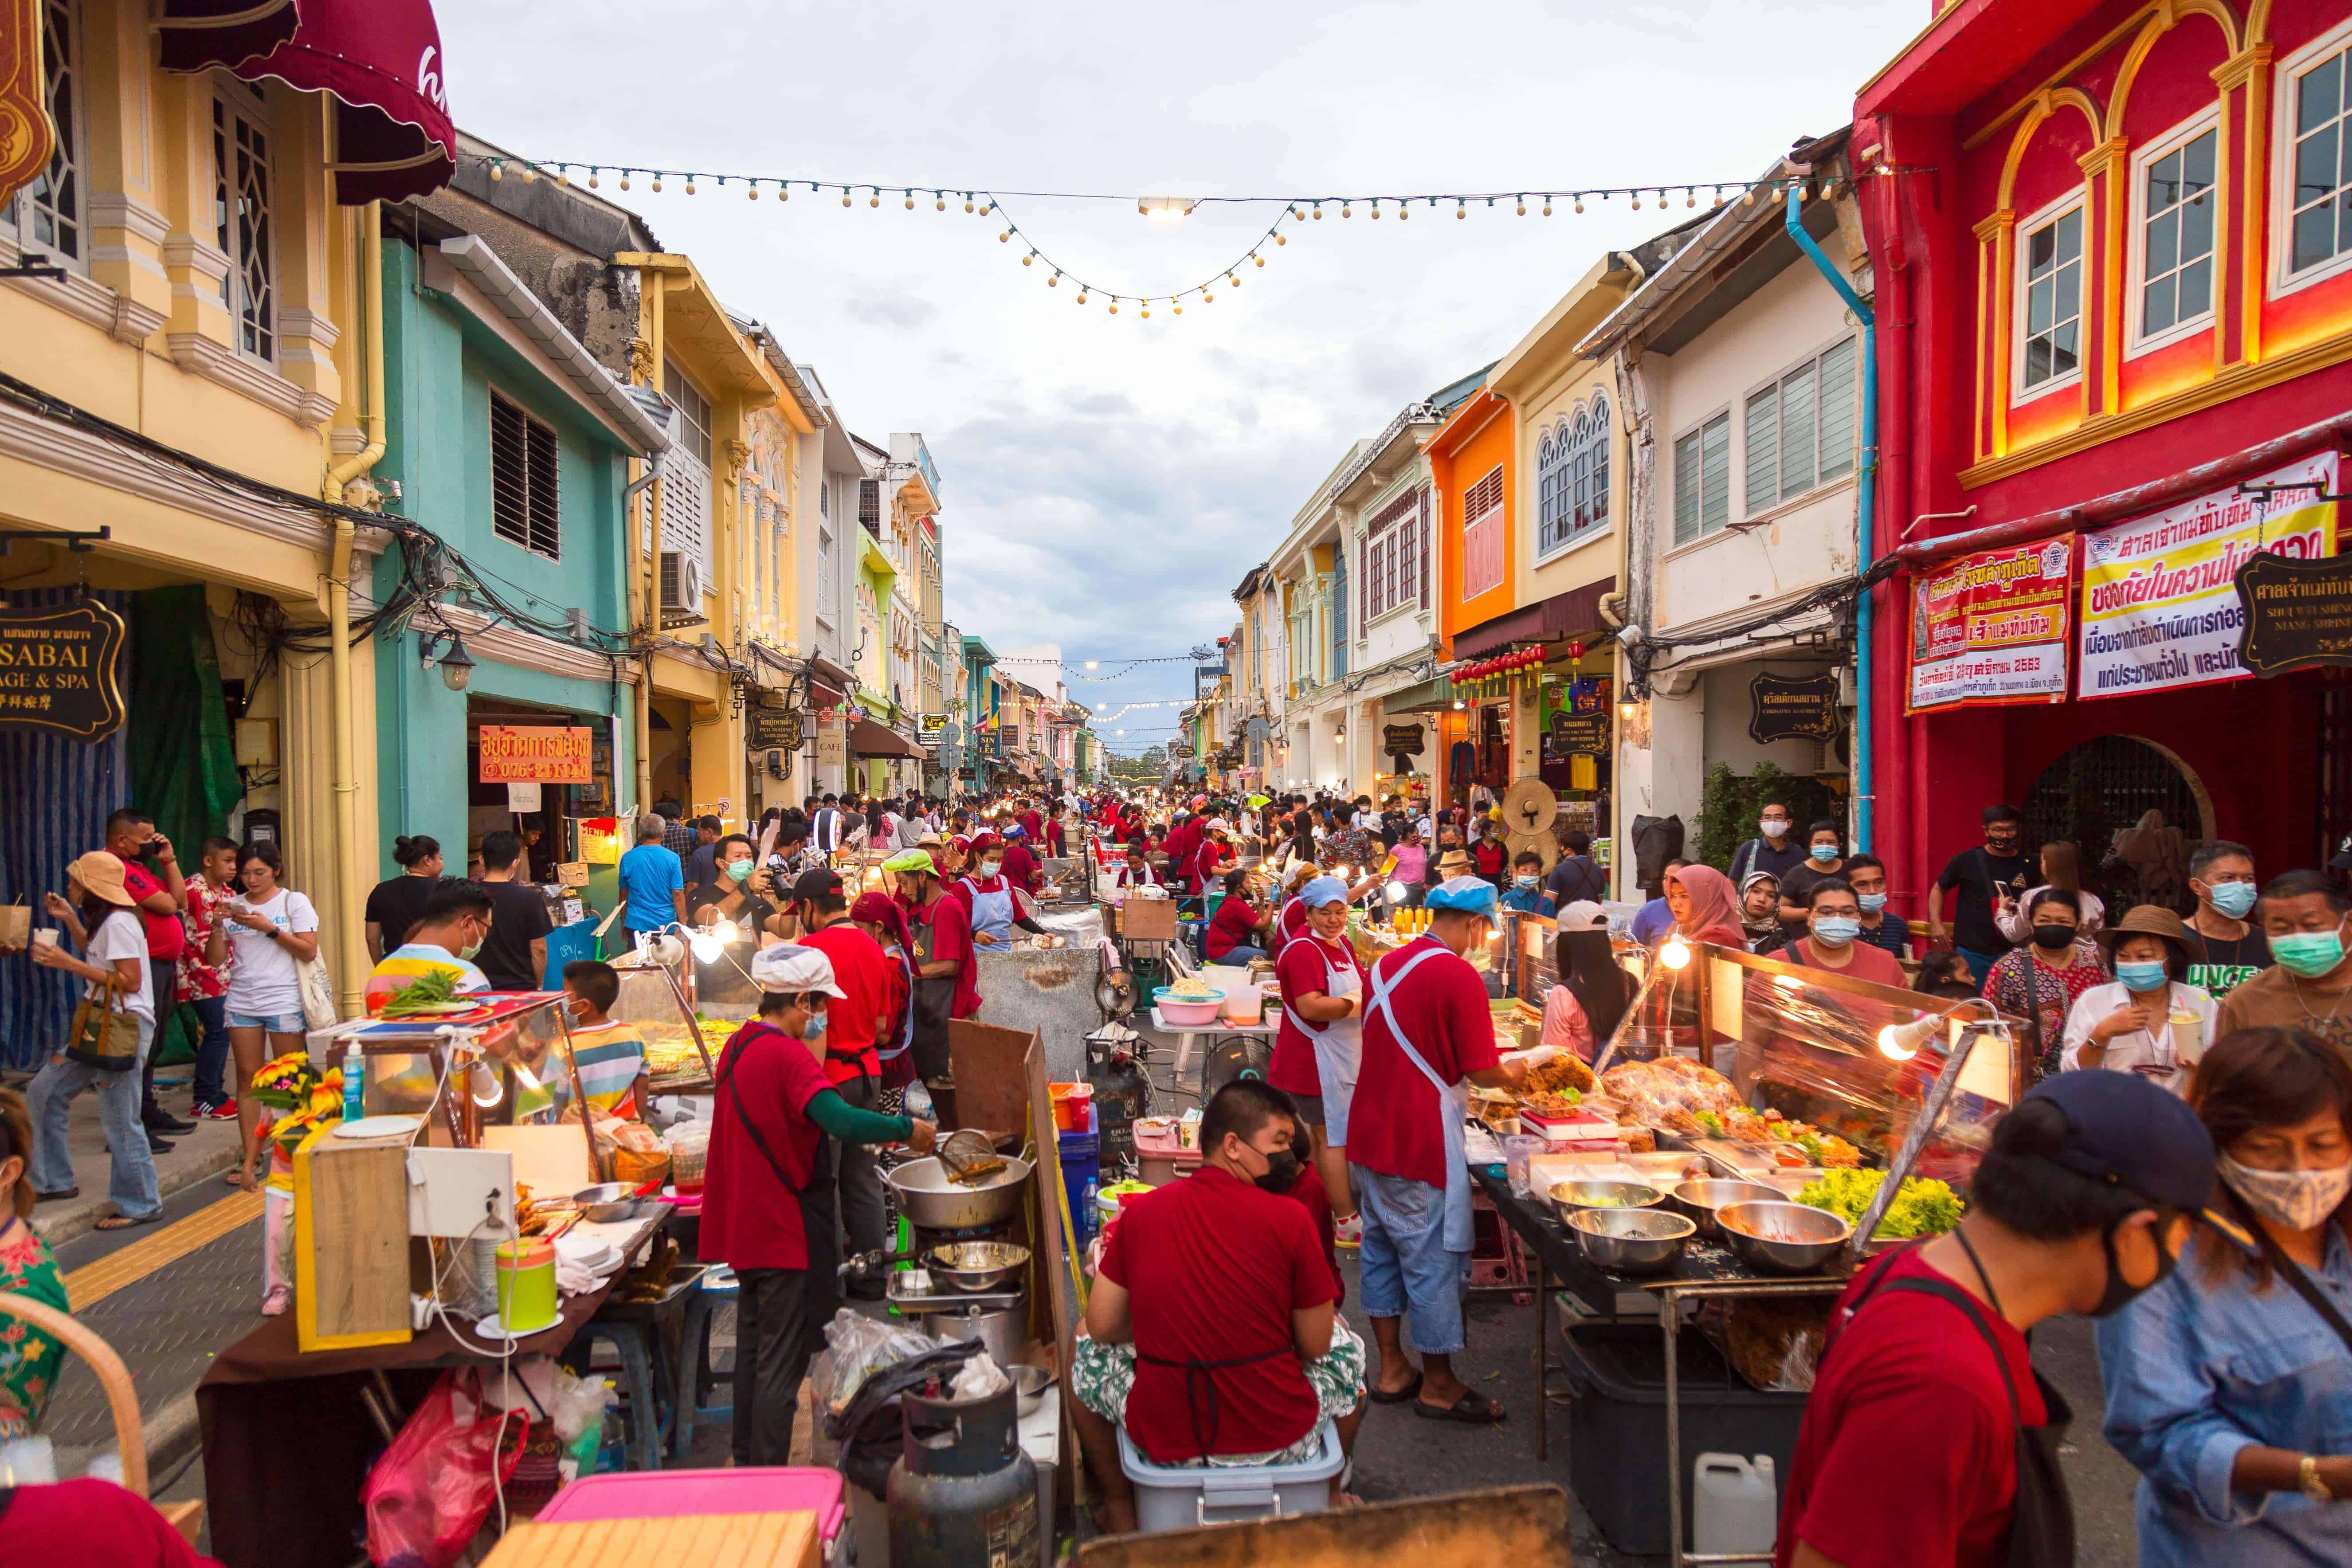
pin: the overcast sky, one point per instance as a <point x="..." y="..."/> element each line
<point x="1106" y="480"/>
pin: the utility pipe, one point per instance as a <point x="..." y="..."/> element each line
<point x="1866" y="509"/>
<point x="350" y="983"/>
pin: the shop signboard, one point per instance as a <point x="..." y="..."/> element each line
<point x="2161" y="605"/>
<point x="530" y="753"/>
<point x="832" y="746"/>
<point x="1794" y="707"/>
<point x="931" y="729"/>
<point x="60" y="670"/>
<point x="2298" y="613"/>
<point x="772" y="730"/>
<point x="1576" y="735"/>
<point x="1404" y="740"/>
<point x="27" y="136"/>
<point x="1990" y="628"/>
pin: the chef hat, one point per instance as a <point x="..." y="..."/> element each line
<point x="912" y="860"/>
<point x="1323" y="890"/>
<point x="1473" y="895"/>
<point x="789" y="967"/>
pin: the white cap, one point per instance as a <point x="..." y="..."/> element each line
<point x="1583" y="915"/>
<point x="1219" y="825"/>
<point x="789" y="967"/>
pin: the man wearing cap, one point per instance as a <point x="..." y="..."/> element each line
<point x="945" y="986"/>
<point x="852" y="1064"/>
<point x="777" y="1126"/>
<point x="1319" y="1053"/>
<point x="1929" y="1437"/>
<point x="1427" y="1036"/>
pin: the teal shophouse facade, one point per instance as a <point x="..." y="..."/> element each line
<point x="511" y="445"/>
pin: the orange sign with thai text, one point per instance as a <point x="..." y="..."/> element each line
<point x="528" y="754"/>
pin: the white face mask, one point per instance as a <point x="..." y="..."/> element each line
<point x="2296" y="1199"/>
<point x="1774" y="830"/>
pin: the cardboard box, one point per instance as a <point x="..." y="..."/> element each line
<point x="1148" y="920"/>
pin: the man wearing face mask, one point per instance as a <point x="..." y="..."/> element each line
<point x="445" y="938"/>
<point x="2231" y="949"/>
<point x="2305" y="915"/>
<point x="1833" y="923"/>
<point x="1867" y="876"/>
<point x="767" y="1202"/>
<point x="1773" y="850"/>
<point x="1427" y="1036"/>
<point x="1977" y="880"/>
<point x="1929" y="1437"/>
<point x="1211" y="1330"/>
<point x="852" y="1063"/>
<point x="738" y="891"/>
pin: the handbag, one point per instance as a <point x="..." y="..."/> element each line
<point x="102" y="1035"/>
<point x="319" y="1008"/>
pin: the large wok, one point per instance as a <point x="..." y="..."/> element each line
<point x="931" y="1201"/>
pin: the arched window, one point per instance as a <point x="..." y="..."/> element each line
<point x="1572" y="477"/>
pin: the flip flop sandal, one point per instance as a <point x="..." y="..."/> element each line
<point x="1410" y="1391"/>
<point x="124" y="1222"/>
<point x="52" y="1197"/>
<point x="1473" y="1409"/>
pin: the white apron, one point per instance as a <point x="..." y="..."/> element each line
<point x="1452" y="1105"/>
<point x="1338" y="1048"/>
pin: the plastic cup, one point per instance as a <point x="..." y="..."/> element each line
<point x="2188" y="1038"/>
<point x="46" y="936"/>
<point x="1518" y="1149"/>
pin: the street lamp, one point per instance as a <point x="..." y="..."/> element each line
<point x="457" y="665"/>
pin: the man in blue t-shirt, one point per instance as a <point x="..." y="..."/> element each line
<point x="653" y="879"/>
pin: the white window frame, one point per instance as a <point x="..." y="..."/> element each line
<point x="2027" y="229"/>
<point x="2282" y="280"/>
<point x="1697" y="430"/>
<point x="236" y="98"/>
<point x="1584" y="414"/>
<point x="2135" y="342"/>
<point x="72" y="146"/>
<point x="1821" y="480"/>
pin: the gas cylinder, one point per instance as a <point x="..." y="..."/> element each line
<point x="963" y="1493"/>
<point x="1121" y="1093"/>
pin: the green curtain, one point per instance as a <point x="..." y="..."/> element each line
<point x="183" y="760"/>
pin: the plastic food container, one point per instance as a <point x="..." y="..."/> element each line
<point x="1072" y="1106"/>
<point x="1184" y="1011"/>
<point x="1245" y="1004"/>
<point x="690" y="1149"/>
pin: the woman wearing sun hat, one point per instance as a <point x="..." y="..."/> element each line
<point x="114" y="949"/>
<point x="2149" y="1019"/>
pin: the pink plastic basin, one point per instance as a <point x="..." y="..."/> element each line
<point x="677" y="1494"/>
<point x="1191" y="1013"/>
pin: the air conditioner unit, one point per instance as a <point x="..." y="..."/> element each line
<point x="681" y="582"/>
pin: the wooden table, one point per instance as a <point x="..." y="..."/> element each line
<point x="696" y="1540"/>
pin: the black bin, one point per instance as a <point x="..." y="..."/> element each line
<point x="1617" y="1426"/>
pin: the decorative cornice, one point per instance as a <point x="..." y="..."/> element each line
<point x="311" y="325"/>
<point x="133" y="322"/>
<point x="85" y="455"/>
<point x="114" y="209"/>
<point x="90" y="302"/>
<point x="186" y="252"/>
<point x="200" y="356"/>
<point x="529" y="650"/>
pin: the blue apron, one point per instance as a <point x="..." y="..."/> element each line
<point x="991" y="912"/>
<point x="1452" y="1103"/>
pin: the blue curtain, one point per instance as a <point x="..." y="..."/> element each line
<point x="54" y="796"/>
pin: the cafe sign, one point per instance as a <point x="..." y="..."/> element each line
<point x="60" y="670"/>
<point x="529" y="755"/>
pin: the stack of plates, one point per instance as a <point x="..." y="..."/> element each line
<point x="590" y="1252"/>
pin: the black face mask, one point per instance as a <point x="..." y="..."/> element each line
<point x="2054" y="937"/>
<point x="1282" y="1168"/>
<point x="2120" y="1292"/>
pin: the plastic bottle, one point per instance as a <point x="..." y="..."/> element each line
<point x="1736" y="1505"/>
<point x="354" y="1083"/>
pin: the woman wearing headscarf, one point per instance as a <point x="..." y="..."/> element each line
<point x="1759" y="910"/>
<point x="879" y="915"/>
<point x="1582" y="1010"/>
<point x="1706" y="908"/>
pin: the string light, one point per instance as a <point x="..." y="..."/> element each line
<point x="657" y="185"/>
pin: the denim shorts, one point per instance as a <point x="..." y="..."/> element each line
<point x="276" y="1023"/>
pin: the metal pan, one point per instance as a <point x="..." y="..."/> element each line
<point x="976" y="1265"/>
<point x="930" y="1200"/>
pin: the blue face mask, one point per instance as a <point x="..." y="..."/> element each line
<point x="2234" y="899"/>
<point x="2142" y="976"/>
<point x="815" y="1028"/>
<point x="1824" y="853"/>
<point x="1835" y="931"/>
<point x="1870" y="903"/>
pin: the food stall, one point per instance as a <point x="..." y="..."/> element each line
<point x="1754" y="1130"/>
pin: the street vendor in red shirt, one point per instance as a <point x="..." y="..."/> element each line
<point x="853" y="1063"/>
<point x="1428" y="1035"/>
<point x="1929" y="1440"/>
<point x="1021" y="867"/>
<point x="994" y="901"/>
<point x="1212" y="1329"/>
<point x="1318" y="1052"/>
<point x="946" y="985"/>
<point x="767" y="1199"/>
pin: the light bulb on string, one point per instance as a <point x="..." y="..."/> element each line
<point x="1114" y="304"/>
<point x="1029" y="259"/>
<point x="1523" y="205"/>
<point x="875" y="199"/>
<point x="1579" y="204"/>
<point x="689" y="185"/>
<point x="1461" y="212"/>
<point x="753" y="193"/>
<point x="1318" y="212"/>
<point x="1404" y="211"/>
<point x="1257" y="257"/>
<point x="1082" y="293"/>
<point x="940" y="201"/>
<point x="592" y="179"/>
<point x="1278" y="240"/>
<point x="1345" y="211"/>
<point x="784" y="190"/>
<point x="910" y="201"/>
<point x="657" y="185"/>
<point x="1690" y="197"/>
<point x="563" y="176"/>
<point x="625" y="179"/>
<point x="529" y="175"/>
<point x="1376" y="209"/>
<point x="1207" y="298"/>
<point x="1546" y="209"/>
<point x="1146" y="312"/>
<point x="496" y="173"/>
<point x="844" y="195"/>
<point x="967" y="201"/>
<point x="1005" y="237"/>
<point x="1178" y="310"/>
<point x="1637" y="201"/>
<point x="1055" y="281"/>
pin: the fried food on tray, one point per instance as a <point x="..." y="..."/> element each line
<point x="1564" y="1071"/>
<point x="1557" y="1105"/>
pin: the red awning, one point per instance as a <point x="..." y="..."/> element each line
<point x="380" y="60"/>
<point x="868" y="739"/>
<point x="1572" y="614"/>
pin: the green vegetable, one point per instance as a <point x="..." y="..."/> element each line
<point x="1575" y="1096"/>
<point x="428" y="993"/>
<point x="1921" y="1208"/>
<point x="1709" y="1121"/>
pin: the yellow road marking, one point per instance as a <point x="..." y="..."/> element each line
<point x="94" y="1282"/>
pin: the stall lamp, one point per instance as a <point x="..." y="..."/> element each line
<point x="487" y="1089"/>
<point x="1901" y="1042"/>
<point x="1675" y="954"/>
<point x="1396" y="892"/>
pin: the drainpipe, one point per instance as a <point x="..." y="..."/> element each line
<point x="350" y="988"/>
<point x="1866" y="509"/>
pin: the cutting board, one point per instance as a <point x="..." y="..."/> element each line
<point x="696" y="1540"/>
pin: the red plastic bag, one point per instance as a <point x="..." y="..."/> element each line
<point x="428" y="1496"/>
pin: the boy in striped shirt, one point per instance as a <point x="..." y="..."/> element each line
<point x="610" y="1057"/>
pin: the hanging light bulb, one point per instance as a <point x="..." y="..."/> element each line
<point x="625" y="179"/>
<point x="1257" y="257"/>
<point x="753" y="193"/>
<point x="529" y="175"/>
<point x="1376" y="209"/>
<point x="1207" y="298"/>
<point x="1523" y="206"/>
<point x="1005" y="237"/>
<point x="1146" y="312"/>
<point x="1690" y="197"/>
<point x="1637" y="201"/>
<point x="1278" y="240"/>
<point x="592" y="179"/>
<point x="987" y="207"/>
<point x="1404" y="212"/>
<point x="1114" y="304"/>
<point x="496" y="173"/>
<point x="910" y="201"/>
<point x="1748" y="198"/>
<point x="1082" y="293"/>
<point x="563" y="176"/>
<point x="1547" y="211"/>
<point x="1345" y="211"/>
<point x="689" y="185"/>
<point x="1579" y="204"/>
<point x="875" y="200"/>
<point x="844" y="195"/>
<point x="1675" y="954"/>
<point x="657" y="185"/>
<point x="1029" y="259"/>
<point x="938" y="201"/>
<point x="1318" y="212"/>
<point x="967" y="201"/>
<point x="1180" y="310"/>
<point x="1460" y="211"/>
<point x="784" y="190"/>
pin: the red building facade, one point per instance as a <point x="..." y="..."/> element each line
<point x="2111" y="252"/>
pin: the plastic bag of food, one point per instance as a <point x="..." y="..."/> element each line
<point x="978" y="1378"/>
<point x="690" y="1147"/>
<point x="860" y="1347"/>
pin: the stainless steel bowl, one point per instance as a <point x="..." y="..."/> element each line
<point x="1631" y="1241"/>
<point x="1783" y="1237"/>
<point x="927" y="1197"/>
<point x="1030" y="1386"/>
<point x="605" y="1200"/>
<point x="1698" y="1200"/>
<point x="976" y="1265"/>
<point x="1570" y="1199"/>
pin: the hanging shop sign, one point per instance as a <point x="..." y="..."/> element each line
<point x="1404" y="740"/>
<point x="2161" y="605"/>
<point x="27" y="136"/>
<point x="831" y="747"/>
<point x="1576" y="735"/>
<point x="1990" y="628"/>
<point x="2298" y="613"/>
<point x="772" y="730"/>
<point x="1794" y="708"/>
<point x="513" y="754"/>
<point x="60" y="670"/>
<point x="931" y="729"/>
